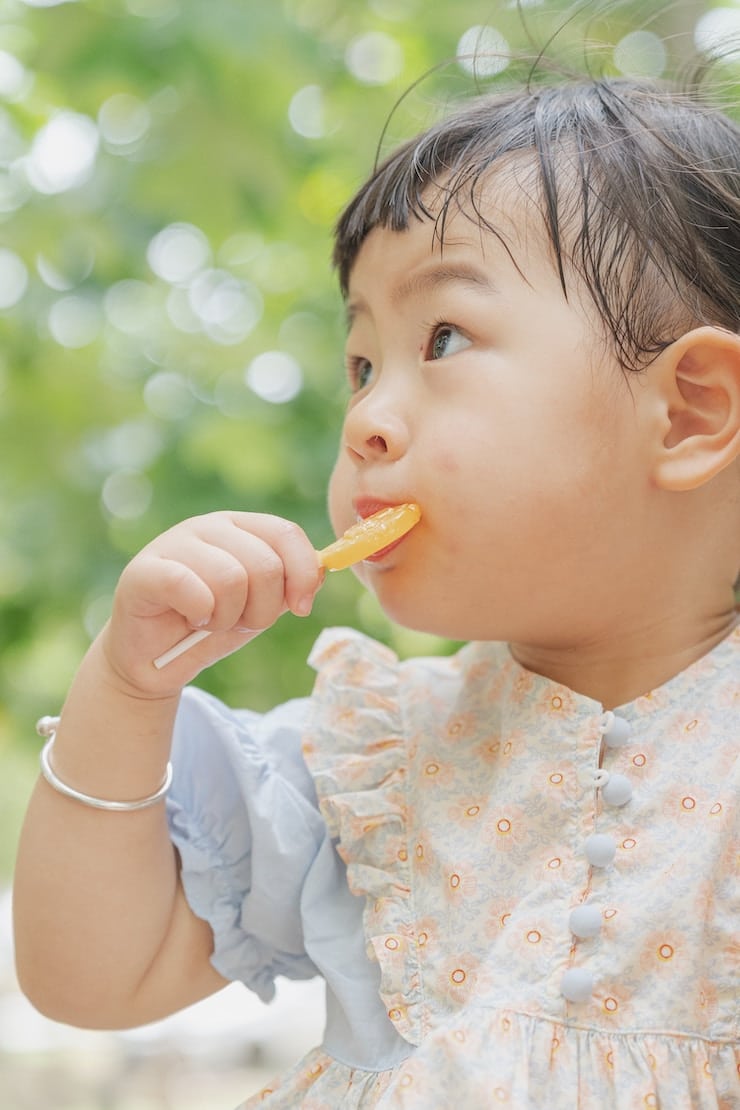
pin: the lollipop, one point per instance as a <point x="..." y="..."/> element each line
<point x="363" y="539"/>
<point x="369" y="536"/>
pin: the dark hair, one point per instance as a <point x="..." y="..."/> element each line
<point x="638" y="186"/>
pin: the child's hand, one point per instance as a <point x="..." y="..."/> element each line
<point x="231" y="573"/>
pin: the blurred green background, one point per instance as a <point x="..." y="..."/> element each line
<point x="170" y="328"/>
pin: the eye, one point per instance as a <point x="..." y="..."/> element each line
<point x="447" y="340"/>
<point x="359" y="372"/>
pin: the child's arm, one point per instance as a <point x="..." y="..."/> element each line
<point x="104" y="936"/>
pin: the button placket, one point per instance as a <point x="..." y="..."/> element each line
<point x="585" y="921"/>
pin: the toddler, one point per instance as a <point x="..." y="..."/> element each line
<point x="515" y="867"/>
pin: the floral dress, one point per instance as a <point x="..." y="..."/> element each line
<point x="516" y="899"/>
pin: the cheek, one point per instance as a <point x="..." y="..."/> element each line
<point x="338" y="498"/>
<point x="448" y="462"/>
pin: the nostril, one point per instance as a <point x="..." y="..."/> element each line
<point x="377" y="443"/>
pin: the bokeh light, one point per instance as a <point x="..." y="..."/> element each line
<point x="178" y="252"/>
<point x="169" y="396"/>
<point x="275" y="376"/>
<point x="15" y="80"/>
<point x="63" y="153"/>
<point x="123" y="120"/>
<point x="717" y="33"/>
<point x="132" y="307"/>
<point x="127" y="494"/>
<point x="374" y="58"/>
<point x="227" y="308"/>
<point x="75" y="321"/>
<point x="307" y="112"/>
<point x="13" y="278"/>
<point x="483" y="51"/>
<point x="641" y="54"/>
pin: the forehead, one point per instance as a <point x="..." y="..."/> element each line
<point x="491" y="238"/>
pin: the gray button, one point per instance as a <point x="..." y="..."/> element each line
<point x="585" y="921"/>
<point x="617" y="791"/>
<point x="617" y="731"/>
<point x="600" y="849"/>
<point x="577" y="984"/>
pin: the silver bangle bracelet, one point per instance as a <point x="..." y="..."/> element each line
<point x="47" y="727"/>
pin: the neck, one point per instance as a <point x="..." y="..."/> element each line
<point x="616" y="672"/>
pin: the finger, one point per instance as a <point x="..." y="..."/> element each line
<point x="223" y="572"/>
<point x="154" y="585"/>
<point x="244" y="572"/>
<point x="302" y="573"/>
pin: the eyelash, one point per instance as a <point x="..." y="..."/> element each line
<point x="432" y="330"/>
<point x="354" y="370"/>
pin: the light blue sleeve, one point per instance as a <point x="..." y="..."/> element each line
<point x="259" y="865"/>
<point x="243" y="815"/>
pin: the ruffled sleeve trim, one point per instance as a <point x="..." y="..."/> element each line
<point x="355" y="749"/>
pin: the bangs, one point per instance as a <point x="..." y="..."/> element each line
<point x="638" y="190"/>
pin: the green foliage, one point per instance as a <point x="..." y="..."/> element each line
<point x="124" y="404"/>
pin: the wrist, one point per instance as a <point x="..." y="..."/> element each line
<point x="113" y="739"/>
<point x="135" y="679"/>
<point x="46" y="727"/>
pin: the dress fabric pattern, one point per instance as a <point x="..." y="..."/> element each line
<point x="464" y="795"/>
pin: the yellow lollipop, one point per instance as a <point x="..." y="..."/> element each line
<point x="369" y="535"/>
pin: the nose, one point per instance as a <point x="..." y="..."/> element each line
<point x="374" y="432"/>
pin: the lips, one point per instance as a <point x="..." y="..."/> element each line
<point x="367" y="506"/>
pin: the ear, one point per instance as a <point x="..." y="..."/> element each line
<point x="699" y="382"/>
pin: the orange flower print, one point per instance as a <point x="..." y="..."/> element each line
<point x="461" y="883"/>
<point x="729" y="699"/>
<point x="707" y="1001"/>
<point x="521" y="682"/>
<point x="497" y="918"/>
<point x="531" y="938"/>
<point x="461" y="726"/>
<point x="435" y="772"/>
<point x="354" y="672"/>
<point x="689" y="805"/>
<point x="489" y="751"/>
<point x="461" y="977"/>
<point x="382" y="702"/>
<point x="506" y="828"/>
<point x="689" y="726"/>
<point x="480" y="672"/>
<point x="559" y="782"/>
<point x="556" y="702"/>
<point x="391" y="951"/>
<point x="344" y="718"/>
<point x="422" y="856"/>
<point x="314" y="1066"/>
<point x="640" y="765"/>
<point x="513" y="744"/>
<point x="427" y="936"/>
<point x="612" y="1000"/>
<point x="662" y="951"/>
<point x="467" y="811"/>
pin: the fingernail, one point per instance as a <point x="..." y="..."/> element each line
<point x="304" y="606"/>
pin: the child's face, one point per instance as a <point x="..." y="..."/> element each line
<point x="485" y="396"/>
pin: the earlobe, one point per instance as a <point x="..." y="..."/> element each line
<point x="700" y="376"/>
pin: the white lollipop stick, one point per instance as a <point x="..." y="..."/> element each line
<point x="181" y="647"/>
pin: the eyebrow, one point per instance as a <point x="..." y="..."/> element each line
<point x="428" y="281"/>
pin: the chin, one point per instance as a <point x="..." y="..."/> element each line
<point x="417" y="619"/>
